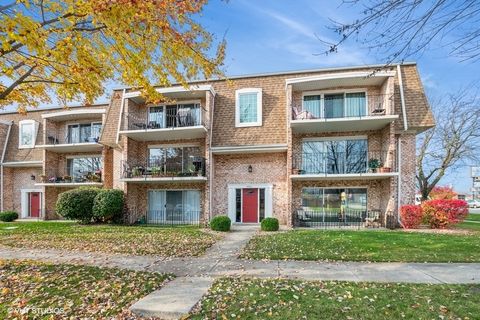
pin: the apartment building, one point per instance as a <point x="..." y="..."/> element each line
<point x="308" y="147"/>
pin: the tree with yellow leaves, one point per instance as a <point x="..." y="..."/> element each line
<point x="70" y="48"/>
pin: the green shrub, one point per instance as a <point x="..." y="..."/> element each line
<point x="8" y="216"/>
<point x="269" y="224"/>
<point x="108" y="205"/>
<point x="77" y="204"/>
<point x="220" y="223"/>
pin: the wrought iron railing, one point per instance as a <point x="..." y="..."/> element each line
<point x="174" y="216"/>
<point x="343" y="162"/>
<point x="178" y="116"/>
<point x="55" y="138"/>
<point x="158" y="168"/>
<point x="338" y="218"/>
<point x="340" y="106"/>
<point x="72" y="176"/>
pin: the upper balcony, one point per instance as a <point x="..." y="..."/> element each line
<point x="183" y="117"/>
<point x="354" y="101"/>
<point x="73" y="131"/>
<point x="73" y="172"/>
<point x="167" y="122"/>
<point x="335" y="165"/>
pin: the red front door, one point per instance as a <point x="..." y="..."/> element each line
<point x="250" y="205"/>
<point x="35" y="204"/>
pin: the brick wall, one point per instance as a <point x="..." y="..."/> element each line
<point x="267" y="168"/>
<point x="16" y="179"/>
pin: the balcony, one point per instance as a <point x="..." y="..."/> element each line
<point x="343" y="165"/>
<point x="345" y="111"/>
<point x="171" y="122"/>
<point x="61" y="142"/>
<point x="191" y="169"/>
<point x="71" y="177"/>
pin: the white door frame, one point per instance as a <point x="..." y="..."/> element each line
<point x="24" y="202"/>
<point x="232" y="198"/>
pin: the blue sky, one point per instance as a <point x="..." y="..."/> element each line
<point x="281" y="35"/>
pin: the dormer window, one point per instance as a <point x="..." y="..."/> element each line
<point x="27" y="133"/>
<point x="248" y="107"/>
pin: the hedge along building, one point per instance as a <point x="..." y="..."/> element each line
<point x="301" y="146"/>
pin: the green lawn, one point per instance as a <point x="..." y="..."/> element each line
<point x="366" y="245"/>
<point x="71" y="292"/>
<point x="240" y="298"/>
<point x="473" y="217"/>
<point x="472" y="226"/>
<point x="135" y="240"/>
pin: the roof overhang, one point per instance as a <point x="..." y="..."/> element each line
<point x="263" y="148"/>
<point x="343" y="79"/>
<point x="23" y="164"/>
<point x="74" y="114"/>
<point x="177" y="92"/>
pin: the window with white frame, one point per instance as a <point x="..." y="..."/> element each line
<point x="248" y="107"/>
<point x="27" y="133"/>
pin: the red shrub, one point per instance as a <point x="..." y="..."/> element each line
<point x="441" y="213"/>
<point x="411" y="216"/>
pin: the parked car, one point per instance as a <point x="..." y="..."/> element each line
<point x="473" y="203"/>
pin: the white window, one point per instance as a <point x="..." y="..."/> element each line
<point x="248" y="107"/>
<point x="27" y="133"/>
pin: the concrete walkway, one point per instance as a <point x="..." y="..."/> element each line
<point x="196" y="274"/>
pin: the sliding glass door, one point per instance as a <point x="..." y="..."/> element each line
<point x="334" y="156"/>
<point x="81" y="133"/>
<point x="335" y="105"/>
<point x="174" y="206"/>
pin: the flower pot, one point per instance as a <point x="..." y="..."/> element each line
<point x="385" y="169"/>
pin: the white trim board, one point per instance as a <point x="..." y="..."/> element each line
<point x="263" y="148"/>
<point x="232" y="197"/>
<point x="73" y="112"/>
<point x="22" y="164"/>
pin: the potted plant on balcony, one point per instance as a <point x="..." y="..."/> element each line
<point x="43" y="178"/>
<point x="374" y="164"/>
<point x="52" y="179"/>
<point x="156" y="171"/>
<point x="385" y="169"/>
<point x="67" y="178"/>
<point x="137" y="171"/>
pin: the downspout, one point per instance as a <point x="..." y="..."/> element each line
<point x="402" y="98"/>
<point x="399" y="143"/>
<point x="1" y="164"/>
<point x="210" y="156"/>
<point x="399" y="179"/>
<point x="122" y="104"/>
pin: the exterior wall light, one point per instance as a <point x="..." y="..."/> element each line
<point x="250" y="169"/>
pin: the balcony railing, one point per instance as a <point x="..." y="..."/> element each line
<point x="340" y="106"/>
<point x="71" y="175"/>
<point x="338" y="218"/>
<point x="179" y="116"/>
<point x="343" y="162"/>
<point x="54" y="138"/>
<point x="161" y="168"/>
<point x="172" y="216"/>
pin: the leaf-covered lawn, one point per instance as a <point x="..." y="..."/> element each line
<point x="365" y="246"/>
<point x="70" y="291"/>
<point x="135" y="240"/>
<point x="240" y="298"/>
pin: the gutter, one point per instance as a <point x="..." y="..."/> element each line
<point x="402" y="98"/>
<point x="1" y="164"/>
<point x="399" y="179"/>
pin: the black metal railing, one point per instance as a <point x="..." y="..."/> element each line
<point x="175" y="216"/>
<point x="351" y="105"/>
<point x="177" y="116"/>
<point x="343" y="162"/>
<point x="158" y="168"/>
<point x="338" y="218"/>
<point x="71" y="175"/>
<point x="54" y="138"/>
